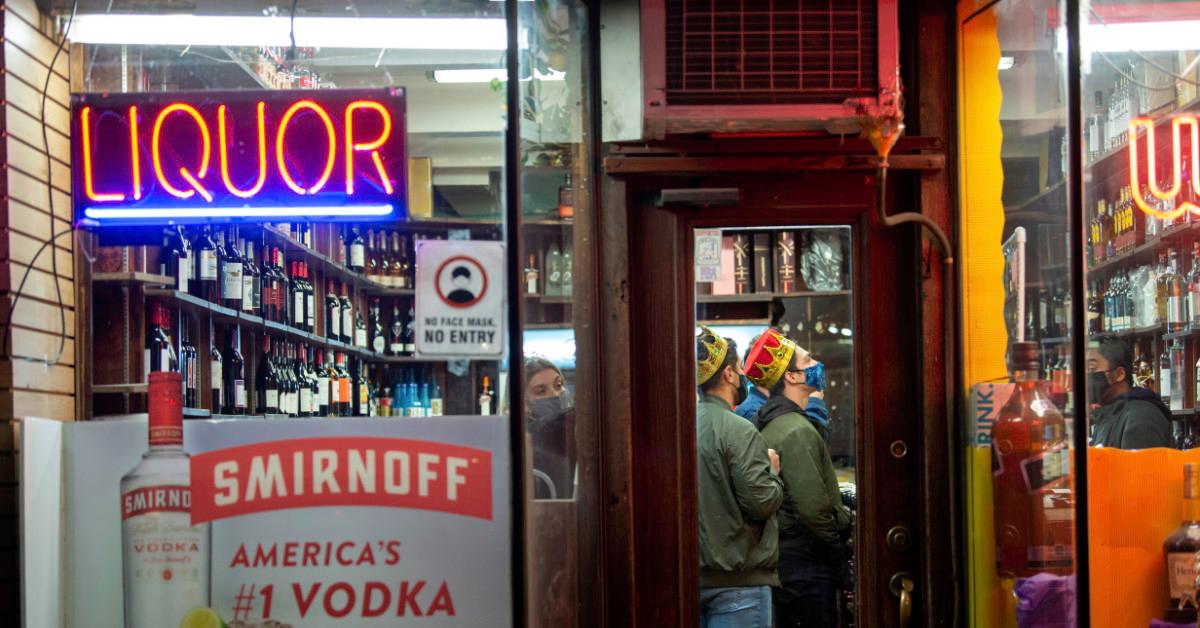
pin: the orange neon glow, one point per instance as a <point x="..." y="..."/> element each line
<point x="1174" y="189"/>
<point x="135" y="158"/>
<point x="262" y="152"/>
<point x="283" y="171"/>
<point x="204" y="156"/>
<point x="372" y="146"/>
<point x="88" y="187"/>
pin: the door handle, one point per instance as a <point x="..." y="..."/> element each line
<point x="902" y="585"/>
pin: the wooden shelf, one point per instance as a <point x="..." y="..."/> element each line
<point x="378" y="290"/>
<point x="763" y="297"/>
<point x="1129" y="333"/>
<point x="550" y="300"/>
<point x="134" y="278"/>
<point x="117" y="389"/>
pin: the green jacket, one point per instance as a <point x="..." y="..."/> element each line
<point x="812" y="513"/>
<point x="739" y="538"/>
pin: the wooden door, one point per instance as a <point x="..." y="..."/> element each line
<point x="660" y="398"/>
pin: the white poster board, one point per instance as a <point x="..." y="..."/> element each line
<point x="460" y="299"/>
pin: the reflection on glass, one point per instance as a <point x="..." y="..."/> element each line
<point x="1140" y="191"/>
<point x="1016" y="315"/>
<point x="782" y="297"/>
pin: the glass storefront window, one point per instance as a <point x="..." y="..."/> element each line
<point x="1016" y="314"/>
<point x="1139" y="141"/>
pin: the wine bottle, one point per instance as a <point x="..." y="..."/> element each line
<point x="435" y="397"/>
<point x="409" y="339"/>
<point x="531" y="277"/>
<point x="1181" y="546"/>
<point x="173" y="259"/>
<point x="268" y="383"/>
<point x="206" y="266"/>
<point x="305" y="396"/>
<point x="347" y="317"/>
<point x="216" y="371"/>
<point x="310" y="300"/>
<point x="372" y="269"/>
<point x="158" y="344"/>
<point x="232" y="285"/>
<point x="251" y="290"/>
<point x="378" y="343"/>
<point x="235" y="374"/>
<point x="360" y="330"/>
<point x="298" y="304"/>
<point x="322" y="389"/>
<point x="333" y="313"/>
<point x="357" y="261"/>
<point x="345" y="398"/>
<point x="396" y="338"/>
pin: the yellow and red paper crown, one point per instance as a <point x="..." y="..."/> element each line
<point x="769" y="358"/>
<point x="715" y="349"/>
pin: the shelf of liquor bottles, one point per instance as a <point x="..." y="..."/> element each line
<point x="298" y="300"/>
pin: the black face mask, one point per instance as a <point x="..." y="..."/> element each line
<point x="743" y="391"/>
<point x="547" y="408"/>
<point x="1097" y="385"/>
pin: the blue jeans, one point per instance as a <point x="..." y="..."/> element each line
<point x="735" y="607"/>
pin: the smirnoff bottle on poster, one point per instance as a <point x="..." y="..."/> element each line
<point x="165" y="557"/>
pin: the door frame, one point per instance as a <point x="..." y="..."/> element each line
<point x="649" y="487"/>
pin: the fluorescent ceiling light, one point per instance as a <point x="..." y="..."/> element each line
<point x="1163" y="36"/>
<point x="315" y="32"/>
<point x="234" y="212"/>
<point x="487" y="75"/>
<point x="1007" y="63"/>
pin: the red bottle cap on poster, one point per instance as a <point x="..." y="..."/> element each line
<point x="166" y="408"/>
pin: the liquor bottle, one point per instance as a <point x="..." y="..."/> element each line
<point x="1110" y="244"/>
<point x="1164" y="376"/>
<point x="1033" y="510"/>
<point x="357" y="258"/>
<point x="164" y="557"/>
<point x="485" y="397"/>
<point x="1095" y="310"/>
<point x="267" y="283"/>
<point x="347" y="317"/>
<point x="568" y="276"/>
<point x="378" y="343"/>
<point x="322" y="390"/>
<point x="554" y="272"/>
<point x="232" y="285"/>
<point x="400" y="397"/>
<point x="531" y="277"/>
<point x="396" y="337"/>
<point x="1194" y="288"/>
<point x="1177" y="316"/>
<point x="174" y="258"/>
<point x="235" y="374"/>
<point x="158" y="353"/>
<point x="360" y="330"/>
<point x="268" y="382"/>
<point x="1181" y="546"/>
<point x="362" y="387"/>
<point x="400" y="263"/>
<point x="384" y="275"/>
<point x="372" y="269"/>
<point x="345" y="398"/>
<point x="566" y="199"/>
<point x="189" y="368"/>
<point x="305" y="395"/>
<point x="333" y="313"/>
<point x="206" y="266"/>
<point x="435" y="397"/>
<point x="297" y="294"/>
<point x="251" y="285"/>
<point x="409" y="339"/>
<point x="216" y="372"/>
<point x="416" y="403"/>
<point x="1160" y="282"/>
<point x="310" y="300"/>
<point x="314" y="386"/>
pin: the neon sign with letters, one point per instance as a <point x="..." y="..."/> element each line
<point x="1175" y="183"/>
<point x="196" y="157"/>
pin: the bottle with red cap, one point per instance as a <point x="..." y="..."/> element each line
<point x="162" y="585"/>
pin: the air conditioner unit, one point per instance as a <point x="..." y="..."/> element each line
<point x="728" y="66"/>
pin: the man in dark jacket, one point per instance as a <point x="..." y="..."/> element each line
<point x="813" y="523"/>
<point x="739" y="492"/>
<point x="1128" y="417"/>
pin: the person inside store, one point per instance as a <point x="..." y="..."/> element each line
<point x="550" y="423"/>
<point x="1128" y="417"/>
<point x="814" y="524"/>
<point x="756" y="395"/>
<point x="739" y="492"/>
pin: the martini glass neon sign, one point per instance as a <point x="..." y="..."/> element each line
<point x="246" y="155"/>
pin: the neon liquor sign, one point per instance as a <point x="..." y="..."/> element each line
<point x="1174" y="192"/>
<point x="195" y="157"/>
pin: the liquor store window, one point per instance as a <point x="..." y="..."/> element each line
<point x="1140" y="190"/>
<point x="267" y="322"/>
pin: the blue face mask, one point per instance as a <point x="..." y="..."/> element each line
<point x="814" y="376"/>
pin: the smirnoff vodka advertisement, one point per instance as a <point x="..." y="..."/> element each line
<point x="289" y="523"/>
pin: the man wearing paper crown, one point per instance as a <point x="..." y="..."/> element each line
<point x="813" y="523"/>
<point x="739" y="492"/>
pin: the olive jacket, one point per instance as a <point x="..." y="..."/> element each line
<point x="738" y="498"/>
